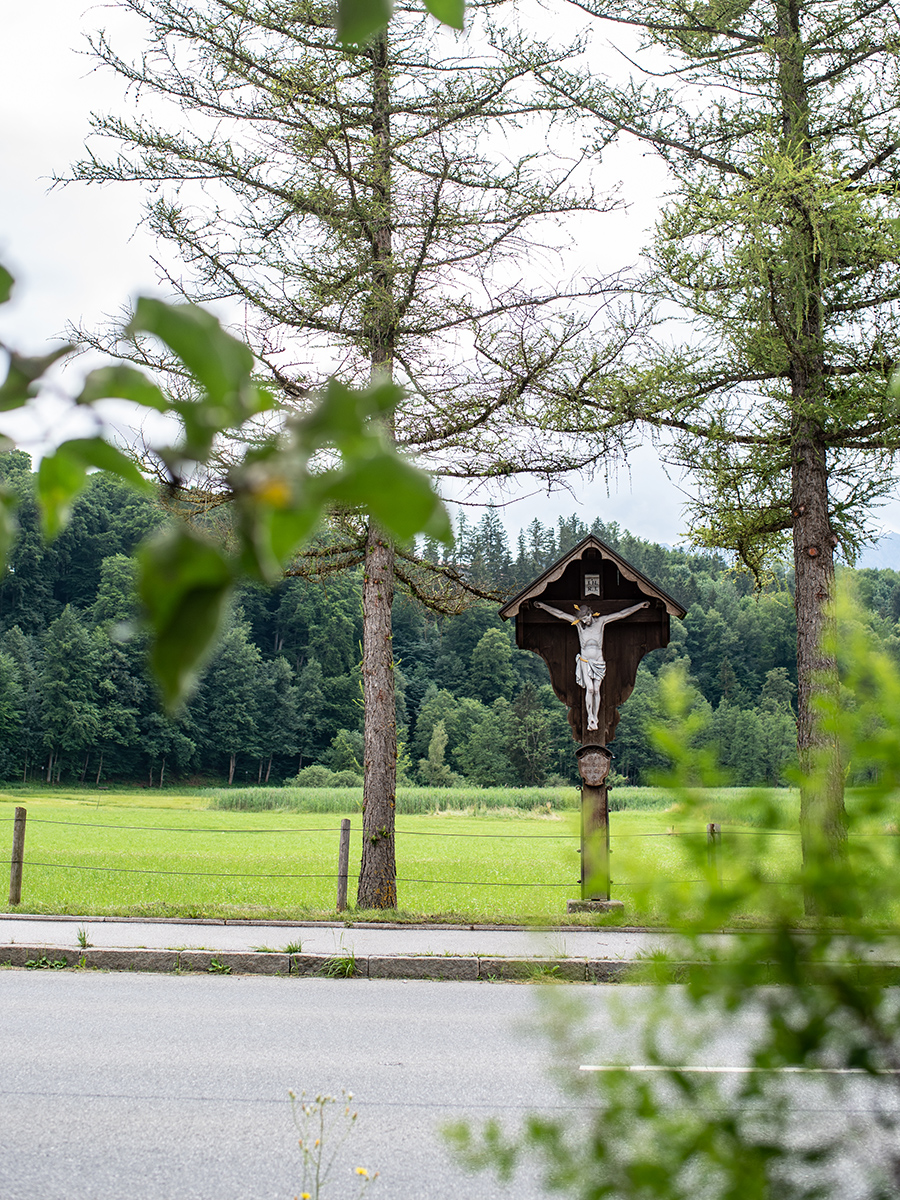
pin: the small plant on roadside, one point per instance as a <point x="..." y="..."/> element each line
<point x="545" y="973"/>
<point x="293" y="948"/>
<point x="83" y="939"/>
<point x="324" y="1125"/>
<point x="342" y="966"/>
<point x="264" y="950"/>
<point x="217" y="967"/>
<point x="46" y="964"/>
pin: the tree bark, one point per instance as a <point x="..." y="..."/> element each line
<point x="99" y="768"/>
<point x="378" y="870"/>
<point x="231" y="764"/>
<point x="822" y="814"/>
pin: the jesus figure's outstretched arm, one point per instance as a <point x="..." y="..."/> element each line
<point x="626" y="612"/>
<point x="556" y="612"/>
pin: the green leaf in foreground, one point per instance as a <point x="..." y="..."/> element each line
<point x="123" y="383"/>
<point x="397" y="494"/>
<point x="448" y="12"/>
<point x="6" y="285"/>
<point x="219" y="362"/>
<point x="60" y="478"/>
<point x="359" y="19"/>
<point x="184" y="584"/>
<point x="97" y="452"/>
<point x="16" y="390"/>
<point x="341" y="418"/>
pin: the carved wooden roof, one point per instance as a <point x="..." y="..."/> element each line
<point x="554" y="572"/>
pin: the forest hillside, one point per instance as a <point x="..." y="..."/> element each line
<point x="281" y="694"/>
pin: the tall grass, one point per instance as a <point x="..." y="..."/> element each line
<point x="410" y="801"/>
<point x="761" y="808"/>
<point x="774" y="808"/>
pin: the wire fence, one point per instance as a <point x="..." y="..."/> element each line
<point x="294" y="835"/>
<point x="535" y="872"/>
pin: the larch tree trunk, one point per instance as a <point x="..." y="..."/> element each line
<point x="822" y="814"/>
<point x="378" y="870"/>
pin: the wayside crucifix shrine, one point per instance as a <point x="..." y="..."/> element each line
<point x="592" y="617"/>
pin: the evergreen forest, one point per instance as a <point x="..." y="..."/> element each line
<point x="280" y="699"/>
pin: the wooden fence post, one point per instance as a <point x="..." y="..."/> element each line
<point x="18" y="856"/>
<point x="343" y="865"/>
<point x="713" y="842"/>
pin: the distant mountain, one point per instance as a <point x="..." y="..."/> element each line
<point x="883" y="554"/>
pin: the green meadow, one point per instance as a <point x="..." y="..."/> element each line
<point x="239" y="854"/>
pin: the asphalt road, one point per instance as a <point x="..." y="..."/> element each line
<point x="174" y="1088"/>
<point x="157" y="1087"/>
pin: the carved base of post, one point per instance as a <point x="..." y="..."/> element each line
<point x="594" y="906"/>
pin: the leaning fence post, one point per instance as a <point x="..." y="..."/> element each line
<point x="713" y="841"/>
<point x="343" y="864"/>
<point x="18" y="856"/>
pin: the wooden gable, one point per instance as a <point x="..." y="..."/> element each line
<point x="592" y="573"/>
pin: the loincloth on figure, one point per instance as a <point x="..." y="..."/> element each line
<point x="589" y="668"/>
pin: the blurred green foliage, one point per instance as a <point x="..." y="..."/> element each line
<point x="807" y="1010"/>
<point x="283" y="477"/>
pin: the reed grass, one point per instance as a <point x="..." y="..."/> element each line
<point x="417" y="801"/>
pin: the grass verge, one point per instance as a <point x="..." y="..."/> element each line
<point x="159" y="855"/>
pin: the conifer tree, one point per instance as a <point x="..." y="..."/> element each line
<point x="779" y="249"/>
<point x="340" y="196"/>
<point x="228" y="697"/>
<point x="70" y="691"/>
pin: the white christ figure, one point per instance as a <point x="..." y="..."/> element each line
<point x="590" y="665"/>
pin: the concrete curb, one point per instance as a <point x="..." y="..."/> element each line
<point x="467" y="968"/>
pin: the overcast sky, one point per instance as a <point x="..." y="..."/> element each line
<point x="77" y="252"/>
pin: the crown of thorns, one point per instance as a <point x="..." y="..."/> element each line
<point x="583" y="610"/>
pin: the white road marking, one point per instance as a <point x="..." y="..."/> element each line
<point x="740" y="1070"/>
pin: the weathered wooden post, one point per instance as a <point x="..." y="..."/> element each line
<point x="713" y="841"/>
<point x="18" y="857"/>
<point x="343" y="864"/>
<point x="592" y="617"/>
